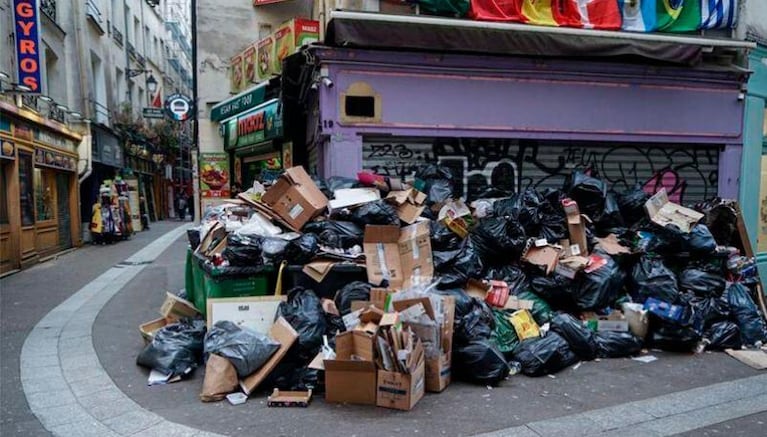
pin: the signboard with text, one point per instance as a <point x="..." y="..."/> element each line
<point x="214" y="175"/>
<point x="26" y="18"/>
<point x="259" y="125"/>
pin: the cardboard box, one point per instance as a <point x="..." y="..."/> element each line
<point x="401" y="391"/>
<point x="545" y="257"/>
<point x="256" y="313"/>
<point x="576" y="227"/>
<point x="494" y="294"/>
<point x="291" y="35"/>
<point x="236" y="74"/>
<point x="348" y="197"/>
<point x="524" y="325"/>
<point x="289" y="398"/>
<point x="408" y="203"/>
<point x="148" y="329"/>
<point x="613" y="322"/>
<point x="265" y="58"/>
<point x="249" y="65"/>
<point x="175" y="308"/>
<point x="295" y="198"/>
<point x="351" y="377"/>
<point x="662" y="212"/>
<point x="283" y="333"/>
<point x="400" y="256"/>
<point x="438" y="373"/>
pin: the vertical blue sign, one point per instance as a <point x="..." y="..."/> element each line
<point x="26" y="18"/>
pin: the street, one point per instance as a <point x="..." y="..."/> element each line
<point x="76" y="373"/>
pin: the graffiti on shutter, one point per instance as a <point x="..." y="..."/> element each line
<point x="688" y="172"/>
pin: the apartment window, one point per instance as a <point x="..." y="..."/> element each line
<point x="126" y="23"/>
<point x="52" y="84"/>
<point x="147" y="40"/>
<point x="156" y="49"/>
<point x="119" y="85"/>
<point x="99" y="90"/>
<point x="141" y="98"/>
<point x="136" y="32"/>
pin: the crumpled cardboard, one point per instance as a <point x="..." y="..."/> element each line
<point x="662" y="212"/>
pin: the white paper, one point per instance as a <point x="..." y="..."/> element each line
<point x="157" y="378"/>
<point x="645" y="358"/>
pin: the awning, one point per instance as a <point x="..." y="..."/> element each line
<point x="409" y="32"/>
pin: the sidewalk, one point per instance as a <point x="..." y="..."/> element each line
<point x="74" y="395"/>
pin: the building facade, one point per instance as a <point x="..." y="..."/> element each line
<point x="102" y="63"/>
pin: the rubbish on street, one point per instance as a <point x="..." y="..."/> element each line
<point x="645" y="358"/>
<point x="289" y="398"/>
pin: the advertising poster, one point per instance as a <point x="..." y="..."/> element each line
<point x="133" y="201"/>
<point x="214" y="175"/>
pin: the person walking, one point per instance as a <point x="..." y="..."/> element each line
<point x="182" y="207"/>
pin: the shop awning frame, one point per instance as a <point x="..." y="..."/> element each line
<point x="418" y="32"/>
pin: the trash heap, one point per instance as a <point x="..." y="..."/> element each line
<point x="428" y="288"/>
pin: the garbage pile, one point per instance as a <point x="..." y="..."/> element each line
<point x="531" y="283"/>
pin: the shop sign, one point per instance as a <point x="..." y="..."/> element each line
<point x="255" y="127"/>
<point x="27" y="25"/>
<point x="214" y="175"/>
<point x="152" y="113"/>
<point x="8" y="150"/>
<point x="247" y="100"/>
<point x="178" y="107"/>
<point x="49" y="158"/>
<point x="23" y="132"/>
<point x="50" y="139"/>
<point x="108" y="150"/>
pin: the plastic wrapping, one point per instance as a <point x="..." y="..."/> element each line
<point x="303" y="310"/>
<point x="464" y="266"/>
<point x="246" y="349"/>
<point x="504" y="336"/>
<point x="616" y="344"/>
<point x="302" y="249"/>
<point x="273" y="250"/>
<point x="176" y="349"/>
<point x="581" y="339"/>
<point x="353" y="291"/>
<point x="745" y="313"/>
<point x="243" y="250"/>
<point x="541" y="310"/>
<point x="336" y="234"/>
<point x="544" y="355"/>
<point x="701" y="283"/>
<point x="498" y="240"/>
<point x="476" y="324"/>
<point x="651" y="278"/>
<point x="710" y="309"/>
<point x="513" y="276"/>
<point x="589" y="192"/>
<point x="723" y="335"/>
<point x="600" y="288"/>
<point x="556" y="290"/>
<point x="631" y="204"/>
<point x="480" y="362"/>
<point x="442" y="238"/>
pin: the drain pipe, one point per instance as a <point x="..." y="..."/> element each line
<point x="87" y="144"/>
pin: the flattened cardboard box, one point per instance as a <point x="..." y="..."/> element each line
<point x="175" y="308"/>
<point x="662" y="212"/>
<point x="284" y="334"/>
<point x="401" y="256"/>
<point x="401" y="391"/>
<point x="575" y="226"/>
<point x="295" y="198"/>
<point x="351" y="377"/>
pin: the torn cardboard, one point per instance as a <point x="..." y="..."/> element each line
<point x="662" y="212"/>
<point x="175" y="308"/>
<point x="295" y="198"/>
<point x="545" y="257"/>
<point x="289" y="398"/>
<point x="284" y="334"/>
<point x="612" y="246"/>
<point x="408" y="204"/>
<point x="576" y="227"/>
<point x="349" y="197"/>
<point x="351" y="376"/>
<point x="401" y="391"/>
<point x="148" y="329"/>
<point x="318" y="270"/>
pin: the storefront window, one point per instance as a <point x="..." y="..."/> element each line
<point x="26" y="193"/>
<point x="45" y="192"/>
<point x="3" y="194"/>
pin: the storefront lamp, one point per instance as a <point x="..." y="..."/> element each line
<point x="76" y="114"/>
<point x="62" y="107"/>
<point x="151" y="84"/>
<point x="4" y="75"/>
<point x="45" y="99"/>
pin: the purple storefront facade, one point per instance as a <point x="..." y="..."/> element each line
<point x="517" y="122"/>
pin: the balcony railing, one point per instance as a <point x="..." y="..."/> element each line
<point x="132" y="51"/>
<point x="57" y="114"/>
<point x="141" y="61"/>
<point x="49" y="8"/>
<point x="94" y="15"/>
<point x="29" y="101"/>
<point x="117" y="35"/>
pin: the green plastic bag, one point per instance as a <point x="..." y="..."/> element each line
<point x="504" y="336"/>
<point x="541" y="310"/>
<point x="448" y="8"/>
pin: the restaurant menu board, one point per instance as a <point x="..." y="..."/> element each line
<point x="214" y="175"/>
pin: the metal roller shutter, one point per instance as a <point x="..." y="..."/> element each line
<point x="688" y="172"/>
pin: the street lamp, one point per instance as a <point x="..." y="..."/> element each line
<point x="133" y="73"/>
<point x="151" y="84"/>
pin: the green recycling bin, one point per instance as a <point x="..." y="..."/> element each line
<point x="217" y="282"/>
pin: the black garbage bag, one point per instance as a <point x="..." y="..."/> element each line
<point x="352" y="291"/>
<point x="699" y="241"/>
<point x="745" y="313"/>
<point x="541" y="310"/>
<point x="303" y="310"/>
<point x="375" y="213"/>
<point x="175" y="349"/>
<point x="273" y="250"/>
<point x="512" y="275"/>
<point x="245" y="348"/>
<point x="243" y="250"/>
<point x="580" y="338"/>
<point x="611" y="220"/>
<point x="589" y="192"/>
<point x="498" y="240"/>
<point x="480" y="362"/>
<point x="631" y="204"/>
<point x="477" y="324"/>
<point x="544" y="355"/>
<point x="671" y="336"/>
<point x="616" y="344"/>
<point x="710" y="310"/>
<point x="463" y="302"/>
<point x="436" y="181"/>
<point x="600" y="288"/>
<point x="301" y="250"/>
<point x="557" y="290"/>
<point x="651" y="278"/>
<point x="336" y="234"/>
<point x="723" y="335"/>
<point x="504" y="335"/>
<point x="524" y="208"/>
<point x="465" y="265"/>
<point x="193" y="235"/>
<point x="444" y="261"/>
<point x="553" y="220"/>
<point x="442" y="238"/>
<point x="701" y="283"/>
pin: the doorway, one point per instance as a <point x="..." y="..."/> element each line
<point x="65" y="218"/>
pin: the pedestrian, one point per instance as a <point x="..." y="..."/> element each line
<point x="182" y="207"/>
<point x="190" y="205"/>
